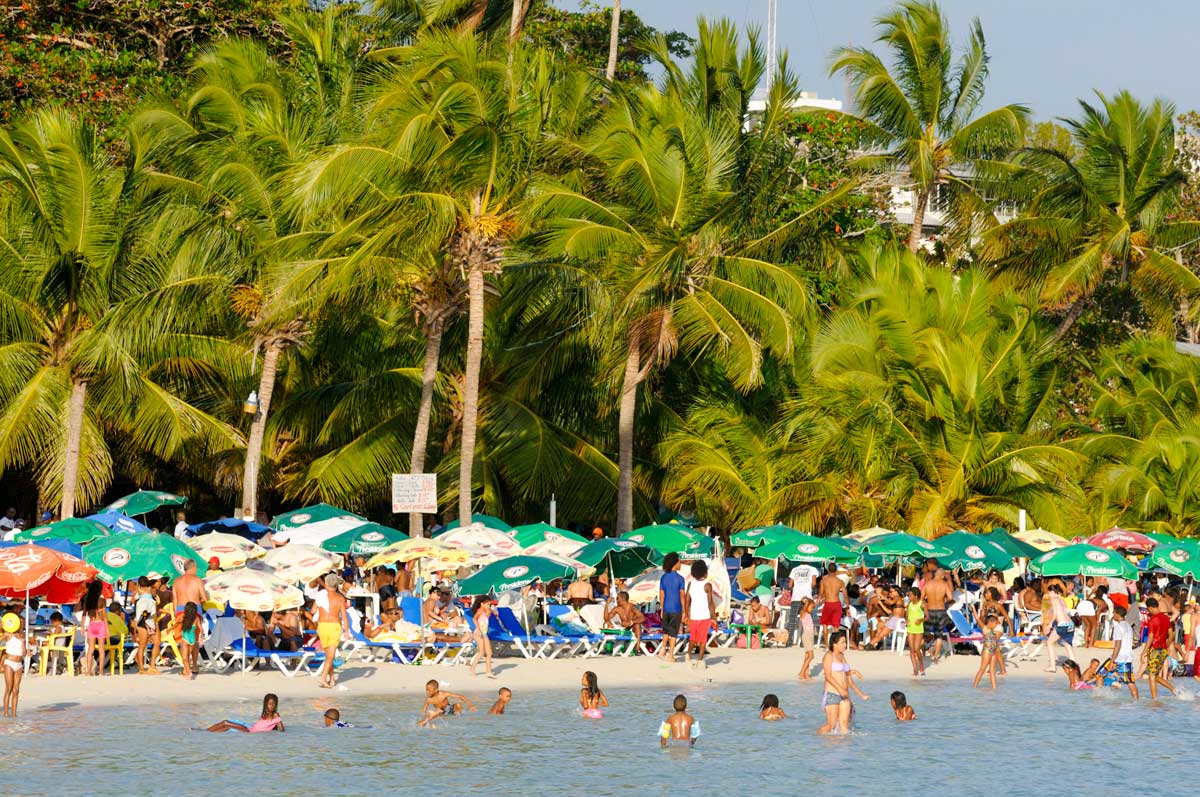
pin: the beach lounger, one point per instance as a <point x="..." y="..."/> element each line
<point x="245" y="649"/>
<point x="410" y="609"/>
<point x="587" y="643"/>
<point x="616" y="641"/>
<point x="532" y="646"/>
<point x="1019" y="647"/>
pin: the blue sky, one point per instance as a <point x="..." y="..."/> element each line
<point x="1045" y="53"/>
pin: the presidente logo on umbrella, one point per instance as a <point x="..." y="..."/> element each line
<point x="372" y="536"/>
<point x="1099" y="557"/>
<point x="1179" y="555"/>
<point x="807" y="547"/>
<point x="516" y="571"/>
<point x="303" y="517"/>
<point x="974" y="552"/>
<point x="178" y="561"/>
<point x="926" y="545"/>
<point x="118" y="504"/>
<point x="625" y="543"/>
<point x="1041" y="559"/>
<point x="251" y="589"/>
<point x="116" y="557"/>
<point x="638" y="538"/>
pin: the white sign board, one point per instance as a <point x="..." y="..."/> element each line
<point x="414" y="493"/>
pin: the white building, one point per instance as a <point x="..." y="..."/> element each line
<point x="807" y="99"/>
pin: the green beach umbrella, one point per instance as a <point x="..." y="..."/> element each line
<point x="1082" y="559"/>
<point x="672" y="538"/>
<point x="369" y="538"/>
<point x="129" y="556"/>
<point x="144" y="501"/>
<point x="489" y="521"/>
<point x="533" y="533"/>
<point x="78" y="530"/>
<point x="514" y="572"/>
<point x="763" y="535"/>
<point x="310" y="514"/>
<point x="1180" y="558"/>
<point x="973" y="552"/>
<point x="1159" y="537"/>
<point x="1017" y="549"/>
<point x="621" y="558"/>
<point x="898" y="545"/>
<point x="806" y="548"/>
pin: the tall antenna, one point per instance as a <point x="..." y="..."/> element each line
<point x="771" y="33"/>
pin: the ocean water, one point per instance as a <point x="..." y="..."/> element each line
<point x="1027" y="737"/>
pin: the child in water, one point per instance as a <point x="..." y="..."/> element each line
<point x="904" y="712"/>
<point x="591" y="699"/>
<point x="806" y="637"/>
<point x="269" y="719"/>
<point x="680" y="726"/>
<point x="501" y="701"/>
<point x="770" y="710"/>
<point x="1075" y="679"/>
<point x="333" y="719"/>
<point x="437" y="703"/>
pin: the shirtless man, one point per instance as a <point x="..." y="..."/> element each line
<point x="403" y="581"/>
<point x="832" y="593"/>
<point x="629" y="616"/>
<point x="936" y="593"/>
<point x="579" y="594"/>
<point x="437" y="606"/>
<point x="332" y="624"/>
<point x="186" y="589"/>
<point x="1062" y="629"/>
<point x="287" y="623"/>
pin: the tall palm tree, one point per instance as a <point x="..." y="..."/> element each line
<point x="1102" y="216"/>
<point x="106" y="300"/>
<point x="922" y="109"/>
<point x="614" y="38"/>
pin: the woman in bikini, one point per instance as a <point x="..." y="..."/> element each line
<point x="482" y="611"/>
<point x="591" y="698"/>
<point x="269" y="720"/>
<point x="14" y="662"/>
<point x="95" y="614"/>
<point x="839" y="681"/>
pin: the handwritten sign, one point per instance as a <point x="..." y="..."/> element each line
<point x="414" y="493"/>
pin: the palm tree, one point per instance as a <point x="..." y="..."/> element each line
<point x="614" y="37"/>
<point x="1102" y="217"/>
<point x="106" y="310"/>
<point x="923" y="109"/>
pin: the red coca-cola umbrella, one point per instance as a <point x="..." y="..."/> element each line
<point x="33" y="571"/>
<point x="1116" y="539"/>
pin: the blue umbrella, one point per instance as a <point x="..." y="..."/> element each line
<point x="62" y="546"/>
<point x="119" y="523"/>
<point x="230" y="525"/>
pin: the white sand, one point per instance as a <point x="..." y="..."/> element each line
<point x="725" y="666"/>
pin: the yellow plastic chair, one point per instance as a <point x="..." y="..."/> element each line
<point x="62" y="642"/>
<point x="166" y="636"/>
<point x="115" y="651"/>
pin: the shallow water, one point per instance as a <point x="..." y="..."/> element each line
<point x="1018" y="740"/>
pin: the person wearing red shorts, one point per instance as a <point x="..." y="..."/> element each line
<point x="699" y="609"/>
<point x="832" y="592"/>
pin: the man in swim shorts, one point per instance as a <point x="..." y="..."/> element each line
<point x="935" y="594"/>
<point x="832" y="592"/>
<point x="186" y="589"/>
<point x="332" y="624"/>
<point x="1159" y="629"/>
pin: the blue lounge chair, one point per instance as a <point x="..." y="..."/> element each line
<point x="410" y="608"/>
<point x="1024" y="647"/>
<point x="246" y="651"/>
<point x="584" y="642"/>
<point x="532" y="646"/>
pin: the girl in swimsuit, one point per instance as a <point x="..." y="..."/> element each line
<point x="1075" y="679"/>
<point x="269" y="720"/>
<point x="482" y="611"/>
<point x="839" y="680"/>
<point x="989" y="653"/>
<point x="14" y="663"/>
<point x="591" y="699"/>
<point x="189" y="627"/>
<point x="96" y="630"/>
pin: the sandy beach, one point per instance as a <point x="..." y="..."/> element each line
<point x="364" y="679"/>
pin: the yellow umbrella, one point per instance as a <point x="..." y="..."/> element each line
<point x="229" y="549"/>
<point x="1041" y="539"/>
<point x="301" y="562"/>
<point x="419" y="548"/>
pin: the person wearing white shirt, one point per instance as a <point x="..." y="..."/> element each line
<point x="802" y="579"/>
<point x="1120" y="666"/>
<point x="9" y="521"/>
<point x="181" y="526"/>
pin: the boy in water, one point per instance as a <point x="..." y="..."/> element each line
<point x="333" y="719"/>
<point x="501" y="701"/>
<point x="904" y="712"/>
<point x="680" y="725"/>
<point x="437" y="703"/>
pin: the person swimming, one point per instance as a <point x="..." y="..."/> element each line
<point x="770" y="710"/>
<point x="1075" y="679"/>
<point x="269" y="720"/>
<point x="438" y="703"/>
<point x="591" y="698"/>
<point x="333" y="719"/>
<point x="904" y="712"/>
<point x="681" y="727"/>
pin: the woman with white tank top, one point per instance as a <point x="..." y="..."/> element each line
<point x="699" y="611"/>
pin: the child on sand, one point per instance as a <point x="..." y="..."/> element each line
<point x="591" y="698"/>
<point x="189" y="635"/>
<point x="904" y="712"/>
<point x="915" y="628"/>
<point x="989" y="650"/>
<point x="806" y="636"/>
<point x="437" y="703"/>
<point x="770" y="710"/>
<point x="269" y="719"/>
<point x="14" y="662"/>
<point x="502" y="700"/>
<point x="680" y="727"/>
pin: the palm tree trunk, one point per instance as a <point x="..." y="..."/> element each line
<point x="470" y="415"/>
<point x="429" y="369"/>
<point x="629" y="387"/>
<point x="74" y="438"/>
<point x="266" y="386"/>
<point x="920" y="202"/>
<point x="1069" y="321"/>
<point x="614" y="34"/>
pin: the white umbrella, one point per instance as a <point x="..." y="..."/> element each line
<point x="230" y="550"/>
<point x="549" y="548"/>
<point x="480" y="539"/>
<point x="253" y="591"/>
<point x="301" y="562"/>
<point x="319" y="531"/>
